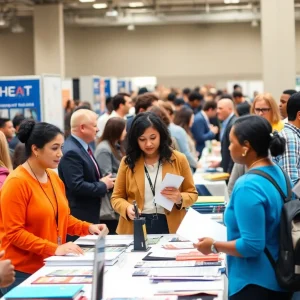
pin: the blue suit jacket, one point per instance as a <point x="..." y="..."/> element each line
<point x="83" y="188"/>
<point x="201" y="132"/>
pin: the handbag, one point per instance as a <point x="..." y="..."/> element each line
<point x="106" y="211"/>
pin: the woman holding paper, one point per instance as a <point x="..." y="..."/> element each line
<point x="253" y="214"/>
<point x="149" y="158"/>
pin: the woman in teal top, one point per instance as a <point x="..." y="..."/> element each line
<point x="253" y="214"/>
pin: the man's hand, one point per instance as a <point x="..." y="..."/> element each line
<point x="214" y="129"/>
<point x="7" y="273"/>
<point x="109" y="181"/>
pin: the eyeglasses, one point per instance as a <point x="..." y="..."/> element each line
<point x="262" y="110"/>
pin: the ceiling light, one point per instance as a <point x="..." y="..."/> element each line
<point x="131" y="27"/>
<point x="100" y="5"/>
<point x="112" y="13"/>
<point x="86" y="1"/>
<point x="231" y="1"/>
<point x="17" y="28"/>
<point x="136" y="4"/>
<point x="2" y="21"/>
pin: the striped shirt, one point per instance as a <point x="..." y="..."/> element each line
<point x="290" y="160"/>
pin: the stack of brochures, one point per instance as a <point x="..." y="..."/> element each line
<point x="210" y="204"/>
<point x="67" y="276"/>
<point x="216" y="176"/>
<point x="110" y="241"/>
<point x="213" y="206"/>
<point x="111" y="257"/>
<point x="177" y="267"/>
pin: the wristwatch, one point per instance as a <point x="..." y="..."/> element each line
<point x="179" y="204"/>
<point x="213" y="248"/>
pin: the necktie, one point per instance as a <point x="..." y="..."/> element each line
<point x="92" y="158"/>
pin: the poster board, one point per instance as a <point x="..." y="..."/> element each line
<point x="67" y="90"/>
<point x="53" y="111"/>
<point x="20" y="95"/>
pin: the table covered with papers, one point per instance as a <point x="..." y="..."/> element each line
<point x="171" y="267"/>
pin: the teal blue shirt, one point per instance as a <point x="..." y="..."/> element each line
<point x="252" y="219"/>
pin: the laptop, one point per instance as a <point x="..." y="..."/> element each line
<point x="98" y="269"/>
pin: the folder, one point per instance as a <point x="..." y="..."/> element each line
<point x="148" y="257"/>
<point x="210" y="199"/>
<point x="216" y="176"/>
<point x="67" y="292"/>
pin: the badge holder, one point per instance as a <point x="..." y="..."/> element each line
<point x="140" y="241"/>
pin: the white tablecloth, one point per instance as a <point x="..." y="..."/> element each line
<point x="118" y="280"/>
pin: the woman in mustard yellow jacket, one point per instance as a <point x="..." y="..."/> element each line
<point x="148" y="158"/>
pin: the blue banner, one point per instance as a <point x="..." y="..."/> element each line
<point x="129" y="86"/>
<point x="121" y="85"/>
<point x="107" y="89"/>
<point x="96" y="86"/>
<point x="20" y="97"/>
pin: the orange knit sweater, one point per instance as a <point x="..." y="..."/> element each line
<point x="27" y="219"/>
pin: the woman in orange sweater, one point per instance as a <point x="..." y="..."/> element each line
<point x="34" y="212"/>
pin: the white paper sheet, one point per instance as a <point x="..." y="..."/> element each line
<point x="296" y="189"/>
<point x="169" y="287"/>
<point x="170" y="180"/>
<point x="196" y="225"/>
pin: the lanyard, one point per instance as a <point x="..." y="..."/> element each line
<point x="149" y="179"/>
<point x="55" y="213"/>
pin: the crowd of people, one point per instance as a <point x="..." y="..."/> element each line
<point x="104" y="163"/>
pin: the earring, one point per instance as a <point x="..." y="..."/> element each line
<point x="244" y="154"/>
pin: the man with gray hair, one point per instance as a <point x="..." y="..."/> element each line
<point x="225" y="113"/>
<point x="79" y="170"/>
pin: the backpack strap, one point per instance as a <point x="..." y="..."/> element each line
<point x="270" y="258"/>
<point x="268" y="177"/>
<point x="284" y="197"/>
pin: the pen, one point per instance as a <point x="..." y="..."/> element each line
<point x="136" y="211"/>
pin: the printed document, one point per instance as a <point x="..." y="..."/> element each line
<point x="195" y="226"/>
<point x="170" y="180"/>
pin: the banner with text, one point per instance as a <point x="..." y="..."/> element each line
<point x="20" y="97"/>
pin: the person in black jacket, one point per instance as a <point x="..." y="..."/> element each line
<point x="225" y="113"/>
<point x="79" y="170"/>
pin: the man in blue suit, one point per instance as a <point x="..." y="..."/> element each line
<point x="79" y="170"/>
<point x="202" y="130"/>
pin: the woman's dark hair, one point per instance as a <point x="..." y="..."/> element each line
<point x="258" y="132"/>
<point x="19" y="156"/>
<point x="39" y="134"/>
<point x="183" y="119"/>
<point x="112" y="133"/>
<point x="140" y="123"/>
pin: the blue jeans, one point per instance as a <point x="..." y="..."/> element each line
<point x="296" y="296"/>
<point x="20" y="277"/>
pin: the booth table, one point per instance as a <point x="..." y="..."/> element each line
<point x="214" y="188"/>
<point x="118" y="280"/>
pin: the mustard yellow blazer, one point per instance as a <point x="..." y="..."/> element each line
<point x="130" y="186"/>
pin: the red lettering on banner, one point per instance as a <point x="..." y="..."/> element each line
<point x="19" y="91"/>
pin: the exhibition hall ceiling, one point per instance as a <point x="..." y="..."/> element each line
<point x="84" y="13"/>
